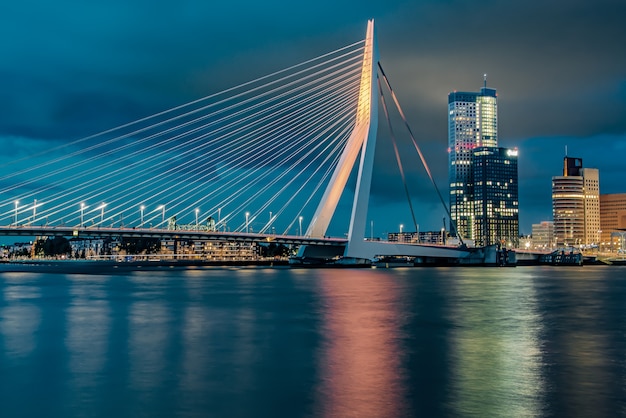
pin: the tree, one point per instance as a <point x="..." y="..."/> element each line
<point x="273" y="250"/>
<point x="140" y="245"/>
<point x="47" y="247"/>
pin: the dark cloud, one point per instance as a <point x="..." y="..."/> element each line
<point x="71" y="68"/>
<point x="548" y="60"/>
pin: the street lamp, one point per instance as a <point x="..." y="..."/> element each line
<point x="197" y="210"/>
<point x="300" y="221"/>
<point x="34" y="211"/>
<point x="400" y="238"/>
<point x="141" y="209"/>
<point x="82" y="212"/>
<point x="247" y="220"/>
<point x="17" y="202"/>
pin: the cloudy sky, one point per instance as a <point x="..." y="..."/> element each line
<point x="72" y="68"/>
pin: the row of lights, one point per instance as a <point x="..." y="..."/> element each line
<point x="141" y="211"/>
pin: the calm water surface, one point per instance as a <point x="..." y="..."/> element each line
<point x="449" y="342"/>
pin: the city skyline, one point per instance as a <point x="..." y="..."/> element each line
<point x="75" y="70"/>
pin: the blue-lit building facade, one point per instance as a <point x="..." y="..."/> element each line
<point x="472" y="133"/>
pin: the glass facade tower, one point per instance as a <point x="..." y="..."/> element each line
<point x="472" y="123"/>
<point x="495" y="193"/>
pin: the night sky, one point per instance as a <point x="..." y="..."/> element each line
<point x="70" y="69"/>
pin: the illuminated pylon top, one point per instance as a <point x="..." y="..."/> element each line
<point x="363" y="141"/>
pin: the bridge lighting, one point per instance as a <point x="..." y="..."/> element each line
<point x="197" y="227"/>
<point x="141" y="209"/>
<point x="247" y="222"/>
<point x="17" y="202"/>
<point x="300" y="221"/>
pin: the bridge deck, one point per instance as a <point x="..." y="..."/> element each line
<point x="164" y="234"/>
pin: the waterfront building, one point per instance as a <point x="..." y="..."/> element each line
<point x="576" y="204"/>
<point x="408" y="237"/>
<point x="423" y="237"/>
<point x="612" y="219"/>
<point x="433" y="237"/>
<point x="495" y="196"/>
<point x="90" y="247"/>
<point x="483" y="177"/>
<point x="591" y="185"/>
<point x="209" y="250"/>
<point x="472" y="123"/>
<point x="543" y="235"/>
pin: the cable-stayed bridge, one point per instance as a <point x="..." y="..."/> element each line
<point x="267" y="160"/>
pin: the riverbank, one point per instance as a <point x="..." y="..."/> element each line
<point x="108" y="266"/>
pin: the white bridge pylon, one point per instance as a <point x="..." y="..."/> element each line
<point x="363" y="141"/>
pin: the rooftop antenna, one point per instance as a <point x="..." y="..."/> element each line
<point x="485" y="80"/>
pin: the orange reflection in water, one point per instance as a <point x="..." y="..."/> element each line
<point x="359" y="362"/>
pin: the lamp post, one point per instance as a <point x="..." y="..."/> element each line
<point x="300" y="222"/>
<point x="82" y="213"/>
<point x="197" y="210"/>
<point x="141" y="209"/>
<point x="400" y="237"/>
<point x="247" y="222"/>
<point x="17" y="202"/>
<point x="34" y="211"/>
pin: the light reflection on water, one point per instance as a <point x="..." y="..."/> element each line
<point x="495" y="346"/>
<point x="360" y="358"/>
<point x="88" y="319"/>
<point x="270" y="342"/>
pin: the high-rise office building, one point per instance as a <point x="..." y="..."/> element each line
<point x="472" y="140"/>
<point x="495" y="196"/>
<point x="612" y="219"/>
<point x="576" y="204"/>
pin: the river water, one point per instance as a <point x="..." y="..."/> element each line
<point x="263" y="342"/>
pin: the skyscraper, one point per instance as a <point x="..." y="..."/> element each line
<point x="495" y="195"/>
<point x="576" y="204"/>
<point x="482" y="177"/>
<point x="472" y="123"/>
